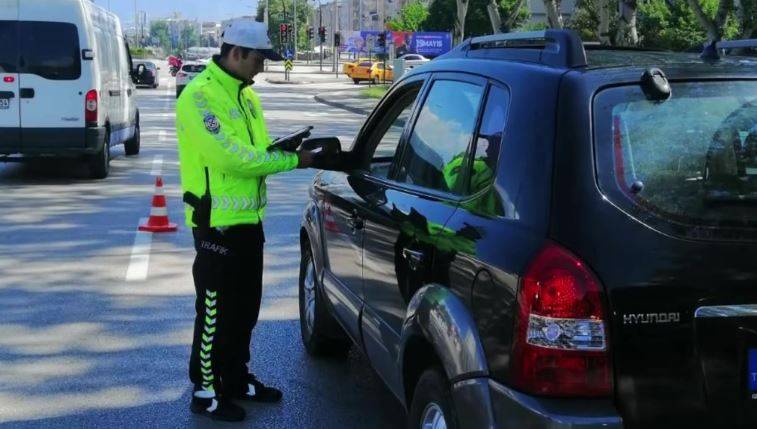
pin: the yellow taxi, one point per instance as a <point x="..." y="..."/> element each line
<point x="372" y="71"/>
<point x="347" y="68"/>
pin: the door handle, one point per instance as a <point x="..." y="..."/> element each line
<point x="116" y="93"/>
<point x="128" y="92"/>
<point x="355" y="222"/>
<point x="414" y="258"/>
<point x="26" y="92"/>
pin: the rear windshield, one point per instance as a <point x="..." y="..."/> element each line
<point x="47" y="49"/>
<point x="688" y="163"/>
<point x="365" y="64"/>
<point x="194" y="68"/>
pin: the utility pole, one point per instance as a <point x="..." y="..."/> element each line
<point x="320" y="24"/>
<point x="294" y="48"/>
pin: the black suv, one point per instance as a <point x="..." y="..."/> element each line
<point x="528" y="233"/>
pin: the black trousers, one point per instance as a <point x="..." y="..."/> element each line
<point x="228" y="277"/>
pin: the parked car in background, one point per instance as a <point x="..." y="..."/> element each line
<point x="189" y="70"/>
<point x="65" y="84"/>
<point x="146" y="73"/>
<point x="414" y="60"/>
<point x="527" y="233"/>
<point x="371" y="71"/>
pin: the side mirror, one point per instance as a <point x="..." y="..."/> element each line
<point x="329" y="154"/>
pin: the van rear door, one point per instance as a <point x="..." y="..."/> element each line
<point x="53" y="81"/>
<point x="10" y="117"/>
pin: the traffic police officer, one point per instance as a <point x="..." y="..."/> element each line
<point x="224" y="158"/>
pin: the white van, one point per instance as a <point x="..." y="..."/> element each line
<point x="66" y="85"/>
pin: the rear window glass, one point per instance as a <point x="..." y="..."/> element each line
<point x="365" y="64"/>
<point x="689" y="163"/>
<point x="50" y="50"/>
<point x="193" y="68"/>
<point x="8" y="46"/>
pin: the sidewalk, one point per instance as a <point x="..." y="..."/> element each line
<point x="349" y="99"/>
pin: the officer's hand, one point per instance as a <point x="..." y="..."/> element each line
<point x="306" y="159"/>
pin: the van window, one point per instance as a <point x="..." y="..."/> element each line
<point x="690" y="162"/>
<point x="9" y="43"/>
<point x="50" y="50"/>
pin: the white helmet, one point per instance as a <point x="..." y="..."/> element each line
<point x="248" y="33"/>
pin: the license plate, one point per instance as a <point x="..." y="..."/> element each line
<point x="752" y="372"/>
<point x="5" y="103"/>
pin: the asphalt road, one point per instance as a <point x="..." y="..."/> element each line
<point x="96" y="319"/>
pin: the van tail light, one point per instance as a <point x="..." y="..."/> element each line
<point x="90" y="108"/>
<point x="9" y="79"/>
<point x="561" y="343"/>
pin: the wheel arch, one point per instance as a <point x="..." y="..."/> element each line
<point x="440" y="325"/>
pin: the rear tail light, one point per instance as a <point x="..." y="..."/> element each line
<point x="561" y="344"/>
<point x="9" y="79"/>
<point x="90" y="107"/>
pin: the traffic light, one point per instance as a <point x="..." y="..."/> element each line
<point x="310" y="33"/>
<point x="322" y="34"/>
<point x="290" y="32"/>
<point x="283" y="33"/>
<point x="337" y="39"/>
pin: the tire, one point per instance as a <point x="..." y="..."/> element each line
<point x="315" y="320"/>
<point x="131" y="146"/>
<point x="432" y="398"/>
<point x="356" y="81"/>
<point x="99" y="163"/>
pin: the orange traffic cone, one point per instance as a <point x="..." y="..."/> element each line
<point x="158" y="221"/>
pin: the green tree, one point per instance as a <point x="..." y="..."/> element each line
<point x="188" y="37"/>
<point x="159" y="31"/>
<point x="442" y="14"/>
<point x="280" y="12"/>
<point x="410" y="17"/>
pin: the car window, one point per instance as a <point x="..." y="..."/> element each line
<point x="50" y="50"/>
<point x="9" y="43"/>
<point x="390" y="131"/>
<point x="193" y="68"/>
<point x="434" y="157"/>
<point x="365" y="64"/>
<point x="690" y="161"/>
<point x="488" y="140"/>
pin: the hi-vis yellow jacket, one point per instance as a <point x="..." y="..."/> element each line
<point x="220" y="125"/>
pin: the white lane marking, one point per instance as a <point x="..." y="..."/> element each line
<point x="140" y="255"/>
<point x="157" y="165"/>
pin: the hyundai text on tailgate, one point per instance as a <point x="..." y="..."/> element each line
<point x="527" y="233"/>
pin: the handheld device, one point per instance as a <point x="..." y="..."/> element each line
<point x="291" y="142"/>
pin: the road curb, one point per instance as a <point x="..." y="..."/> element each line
<point x="342" y="106"/>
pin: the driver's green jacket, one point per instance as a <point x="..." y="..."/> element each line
<point x="220" y="125"/>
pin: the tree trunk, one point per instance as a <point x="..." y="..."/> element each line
<point x="509" y="21"/>
<point x="603" y="30"/>
<point x="627" y="33"/>
<point x="746" y="20"/>
<point x="462" y="11"/>
<point x="714" y="28"/>
<point x="554" y="17"/>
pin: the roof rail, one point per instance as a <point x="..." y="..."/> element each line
<point x="557" y="48"/>
<point x="711" y="50"/>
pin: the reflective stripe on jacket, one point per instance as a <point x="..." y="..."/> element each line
<point x="220" y="125"/>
